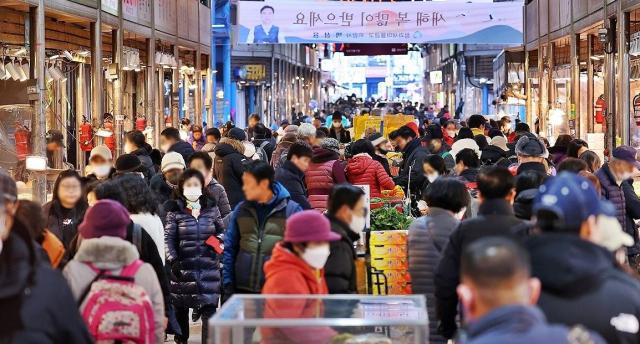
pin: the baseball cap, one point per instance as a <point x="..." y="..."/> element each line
<point x="628" y="154"/>
<point x="572" y="198"/>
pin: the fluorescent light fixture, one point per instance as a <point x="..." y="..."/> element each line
<point x="36" y="163"/>
<point x="104" y="133"/>
<point x="84" y="53"/>
<point x="13" y="70"/>
<point x="67" y="54"/>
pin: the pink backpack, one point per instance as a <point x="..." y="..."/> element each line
<point x="118" y="310"/>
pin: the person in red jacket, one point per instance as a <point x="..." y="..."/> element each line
<point x="296" y="267"/>
<point x="362" y="169"/>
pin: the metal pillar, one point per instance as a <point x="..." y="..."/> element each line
<point x="252" y="100"/>
<point x="212" y="70"/>
<point x="622" y="100"/>
<point x="609" y="87"/>
<point x="575" y="85"/>
<point x="151" y="115"/>
<point x="38" y="129"/>
<point x="590" y="118"/>
<point x="97" y="89"/>
<point x="175" y="82"/>
<point x="226" y="57"/>
<point x="198" y="80"/>
<point x="118" y="116"/>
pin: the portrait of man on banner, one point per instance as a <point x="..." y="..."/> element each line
<point x="266" y="32"/>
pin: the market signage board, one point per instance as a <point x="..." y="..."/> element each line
<point x="314" y="21"/>
<point x="435" y="77"/>
<point x="374" y="49"/>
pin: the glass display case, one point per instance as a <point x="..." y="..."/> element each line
<point x="320" y="319"/>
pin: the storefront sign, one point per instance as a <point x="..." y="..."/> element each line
<point x="295" y="21"/>
<point x="373" y="49"/>
<point x="435" y="77"/>
<point x="252" y="72"/>
<point x="634" y="44"/>
<point x="110" y="6"/>
<point x="404" y="79"/>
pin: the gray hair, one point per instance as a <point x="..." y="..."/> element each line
<point x="306" y="130"/>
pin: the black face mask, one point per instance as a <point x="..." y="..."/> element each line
<point x="383" y="151"/>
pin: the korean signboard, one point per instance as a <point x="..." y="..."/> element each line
<point x="315" y="21"/>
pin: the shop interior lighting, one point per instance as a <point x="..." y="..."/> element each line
<point x="12" y="69"/>
<point x="36" y="163"/>
<point x="68" y="55"/>
<point x="556" y="117"/>
<point x="84" y="53"/>
<point x="24" y="76"/>
<point x="2" y="72"/>
<point x="26" y="69"/>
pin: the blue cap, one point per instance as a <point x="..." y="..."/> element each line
<point x="572" y="198"/>
<point x="628" y="154"/>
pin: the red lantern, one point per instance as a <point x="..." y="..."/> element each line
<point x="86" y="136"/>
<point x="111" y="140"/>
<point x="141" y="123"/>
<point x="22" y="136"/>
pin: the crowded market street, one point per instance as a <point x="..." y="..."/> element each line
<point x="319" y="171"/>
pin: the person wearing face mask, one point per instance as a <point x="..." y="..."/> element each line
<point x="202" y="162"/>
<point x="296" y="267"/>
<point x="135" y="143"/>
<point x="613" y="174"/>
<point x="433" y="168"/>
<point x="36" y="304"/>
<point x="496" y="192"/>
<point x="498" y="296"/>
<point x="436" y="145"/>
<point x="447" y="199"/>
<point x="171" y="141"/>
<point x="67" y="207"/>
<point x="449" y="132"/>
<point x="382" y="147"/>
<point x="337" y="130"/>
<point x="163" y="183"/>
<point x="193" y="233"/>
<point x="100" y="164"/>
<point x="346" y="213"/>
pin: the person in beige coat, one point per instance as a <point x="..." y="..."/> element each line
<point x="104" y="247"/>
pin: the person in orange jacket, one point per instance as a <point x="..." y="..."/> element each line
<point x="296" y="267"/>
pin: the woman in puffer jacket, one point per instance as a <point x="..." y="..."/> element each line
<point x="325" y="171"/>
<point x="192" y="236"/>
<point x="362" y="169"/>
<point x="447" y="199"/>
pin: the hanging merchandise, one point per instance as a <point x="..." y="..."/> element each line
<point x="22" y="136"/>
<point x="141" y="123"/>
<point x="636" y="109"/>
<point x="601" y="108"/>
<point x="109" y="141"/>
<point x="86" y="135"/>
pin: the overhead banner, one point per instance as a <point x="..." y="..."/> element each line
<point x="315" y="21"/>
<point x="372" y="49"/>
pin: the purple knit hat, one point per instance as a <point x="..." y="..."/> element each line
<point x="105" y="218"/>
<point x="309" y="225"/>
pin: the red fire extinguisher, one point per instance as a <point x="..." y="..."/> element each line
<point x="601" y="109"/>
<point x="86" y="136"/>
<point x="168" y="122"/>
<point x="22" y="136"/>
<point x="141" y="123"/>
<point x="111" y="140"/>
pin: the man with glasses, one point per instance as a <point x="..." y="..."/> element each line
<point x="347" y="214"/>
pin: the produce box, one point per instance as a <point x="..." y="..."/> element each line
<point x="398" y="237"/>
<point x="388" y="251"/>
<point x="397" y="276"/>
<point x="390" y="263"/>
<point x="395" y="289"/>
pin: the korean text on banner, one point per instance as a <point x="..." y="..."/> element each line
<point x="313" y="21"/>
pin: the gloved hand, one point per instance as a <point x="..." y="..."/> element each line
<point x="227" y="291"/>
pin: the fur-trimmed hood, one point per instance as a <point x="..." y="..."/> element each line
<point x="107" y="252"/>
<point x="235" y="144"/>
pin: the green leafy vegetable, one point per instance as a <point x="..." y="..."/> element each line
<point x="388" y="218"/>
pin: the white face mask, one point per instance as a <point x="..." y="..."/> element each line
<point x="460" y="215"/>
<point x="451" y="133"/>
<point x="357" y="223"/>
<point x="337" y="124"/>
<point x="627" y="175"/>
<point x="165" y="147"/>
<point x="192" y="193"/>
<point x="432" y="177"/>
<point x="129" y="148"/>
<point x="316" y="256"/>
<point x="102" y="171"/>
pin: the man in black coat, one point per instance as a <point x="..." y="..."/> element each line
<point x="413" y="155"/>
<point x="170" y="142"/>
<point x="632" y="202"/>
<point x="262" y="139"/>
<point x="228" y="166"/>
<point x="495" y="218"/>
<point x="291" y="173"/>
<point x="163" y="183"/>
<point x="36" y="305"/>
<point x="135" y="143"/>
<point x="581" y="281"/>
<point x="346" y="212"/>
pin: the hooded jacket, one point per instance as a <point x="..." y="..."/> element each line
<point x="279" y="155"/>
<point x="340" y="269"/>
<point x="253" y="231"/>
<point x="286" y="273"/>
<point x="413" y="156"/>
<point x="219" y="194"/>
<point x="183" y="148"/>
<point x="48" y="314"/>
<point x="195" y="265"/>
<point x="523" y="204"/>
<point x="495" y="218"/>
<point x="292" y="178"/>
<point x="112" y="254"/>
<point x="228" y="168"/>
<point x="323" y="173"/>
<point x="160" y="188"/>
<point x="363" y="170"/>
<point x="582" y="285"/>
<point x="428" y="236"/>
<point x="523" y="325"/>
<point x="491" y="155"/>
<point x="145" y="159"/>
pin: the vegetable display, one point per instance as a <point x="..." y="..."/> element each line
<point x="388" y="218"/>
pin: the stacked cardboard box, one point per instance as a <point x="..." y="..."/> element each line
<point x="389" y="255"/>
